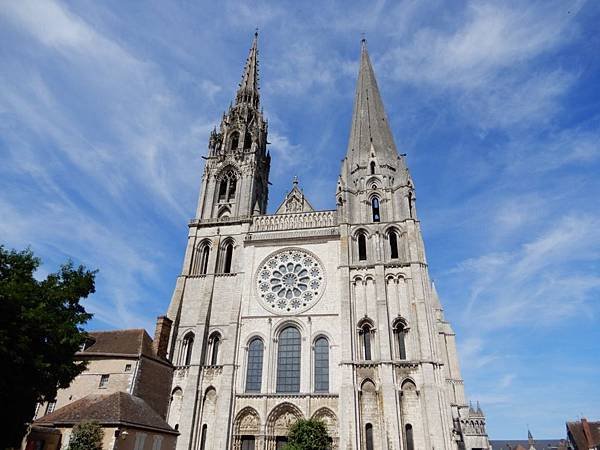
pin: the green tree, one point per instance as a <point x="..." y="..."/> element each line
<point x="308" y="435"/>
<point x="86" y="436"/>
<point x="40" y="330"/>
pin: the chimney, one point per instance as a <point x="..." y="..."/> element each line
<point x="161" y="336"/>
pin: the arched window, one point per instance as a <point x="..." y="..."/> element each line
<point x="393" y="238"/>
<point x="228" y="257"/>
<point x="235" y="140"/>
<point x="410" y="205"/>
<point x="288" y="360"/>
<point x="231" y="190"/>
<point x="321" y="364"/>
<point x="248" y="443"/>
<point x="201" y="263"/>
<point x="369" y="436"/>
<point x="410" y="445"/>
<point x="375" y="208"/>
<point x="227" y="186"/>
<point x="372" y="167"/>
<point x="362" y="247"/>
<point x="400" y="338"/>
<point x="203" y="437"/>
<point x="186" y="349"/>
<point x="214" y="342"/>
<point x="254" y="365"/>
<point x="223" y="190"/>
<point x="365" y="334"/>
<point x="247" y="141"/>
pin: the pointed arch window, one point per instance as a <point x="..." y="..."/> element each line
<point x="400" y="340"/>
<point x="288" y="360"/>
<point x="372" y="165"/>
<point x="235" y="140"/>
<point x="187" y="348"/>
<point x="321" y="353"/>
<point x="214" y="343"/>
<point x="410" y="445"/>
<point x="369" y="436"/>
<point x="228" y="186"/>
<point x="362" y="247"/>
<point x="254" y="365"/>
<point x="203" y="437"/>
<point x="201" y="259"/>
<point x="375" y="209"/>
<point x="227" y="256"/>
<point x="393" y="240"/>
<point x="365" y="336"/>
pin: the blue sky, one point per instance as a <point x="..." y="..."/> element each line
<point x="105" y="110"/>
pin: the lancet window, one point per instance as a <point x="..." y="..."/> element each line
<point x="288" y="360"/>
<point x="254" y="365"/>
<point x="321" y="364"/>
<point x="228" y="186"/>
<point x="187" y="348"/>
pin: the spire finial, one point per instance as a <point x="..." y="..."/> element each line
<point x="295" y="180"/>
<point x="248" y="90"/>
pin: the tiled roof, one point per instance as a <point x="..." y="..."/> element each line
<point x="125" y="342"/>
<point x="585" y="434"/>
<point x="119" y="408"/>
<point x="540" y="444"/>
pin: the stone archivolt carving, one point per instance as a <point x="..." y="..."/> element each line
<point x="290" y="281"/>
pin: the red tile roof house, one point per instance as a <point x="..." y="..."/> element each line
<point x="125" y="388"/>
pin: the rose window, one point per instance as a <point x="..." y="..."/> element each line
<point x="290" y="281"/>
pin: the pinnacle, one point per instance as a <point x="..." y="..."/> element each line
<point x="248" y="87"/>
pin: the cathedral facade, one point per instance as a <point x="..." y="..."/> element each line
<point x="312" y="314"/>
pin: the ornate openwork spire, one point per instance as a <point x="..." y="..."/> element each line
<point x="248" y="90"/>
<point x="370" y="131"/>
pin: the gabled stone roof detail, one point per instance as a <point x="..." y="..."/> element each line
<point x="295" y="201"/>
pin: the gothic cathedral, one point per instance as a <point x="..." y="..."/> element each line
<point x="312" y="314"/>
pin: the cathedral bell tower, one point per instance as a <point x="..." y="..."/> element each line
<point x="236" y="174"/>
<point x="374" y="184"/>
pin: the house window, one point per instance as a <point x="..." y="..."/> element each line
<point x="375" y="208"/>
<point x="103" y="381"/>
<point x="157" y="443"/>
<point x="288" y="361"/>
<point x="254" y="367"/>
<point x="140" y="440"/>
<point x="393" y="239"/>
<point x="127" y="367"/>
<point x="50" y="406"/>
<point x="362" y="247"/>
<point x="321" y="365"/>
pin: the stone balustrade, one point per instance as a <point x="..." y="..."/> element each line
<point x="294" y="221"/>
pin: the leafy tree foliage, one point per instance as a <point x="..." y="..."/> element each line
<point x="86" y="436"/>
<point x="40" y="331"/>
<point x="308" y="435"/>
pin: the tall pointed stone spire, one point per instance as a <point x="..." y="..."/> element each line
<point x="370" y="131"/>
<point x="248" y="90"/>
